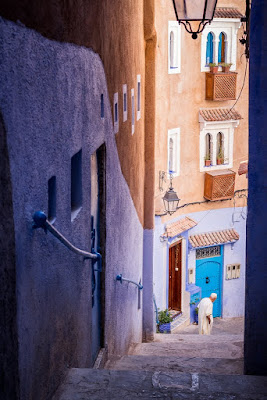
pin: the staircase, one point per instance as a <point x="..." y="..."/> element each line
<point x="174" y="366"/>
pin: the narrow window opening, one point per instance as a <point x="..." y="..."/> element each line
<point x="102" y="105"/>
<point x="124" y="102"/>
<point x="52" y="199"/>
<point x="221" y="48"/>
<point x="171" y="156"/>
<point x="220" y="150"/>
<point x="209" y="49"/>
<point x="124" y="92"/>
<point x="116" y="112"/>
<point x="133" y="111"/>
<point x="76" y="184"/>
<point x="172" y="64"/>
<point x="139" y="97"/>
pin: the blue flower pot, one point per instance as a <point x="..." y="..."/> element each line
<point x="165" y="328"/>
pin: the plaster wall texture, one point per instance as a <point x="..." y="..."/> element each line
<point x="115" y="30"/>
<point x="50" y="102"/>
<point x="178" y="100"/>
<point x="233" y="291"/>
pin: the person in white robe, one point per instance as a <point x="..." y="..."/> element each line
<point x="205" y="317"/>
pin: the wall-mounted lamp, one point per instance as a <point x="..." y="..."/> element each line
<point x="187" y="11"/>
<point x="170" y="199"/>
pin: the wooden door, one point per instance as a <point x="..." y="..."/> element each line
<point x="175" y="277"/>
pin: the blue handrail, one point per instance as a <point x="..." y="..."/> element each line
<point x="40" y="221"/>
<point x="120" y="278"/>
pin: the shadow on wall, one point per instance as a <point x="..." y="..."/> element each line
<point x="8" y="306"/>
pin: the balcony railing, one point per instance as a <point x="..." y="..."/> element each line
<point x="221" y="86"/>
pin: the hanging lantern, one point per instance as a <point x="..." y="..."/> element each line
<point x="170" y="199"/>
<point x="201" y="11"/>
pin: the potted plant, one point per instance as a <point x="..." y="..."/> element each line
<point x="220" y="158"/>
<point x="213" y="67"/>
<point x="207" y="160"/>
<point x="194" y="310"/>
<point x="226" y="67"/>
<point x="164" y="322"/>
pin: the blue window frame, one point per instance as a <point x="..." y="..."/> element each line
<point x="209" y="49"/>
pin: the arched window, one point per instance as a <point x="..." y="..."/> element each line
<point x="209" y="49"/>
<point x="220" y="150"/>
<point x="172" y="60"/>
<point x="171" y="156"/>
<point x="222" y="48"/>
<point x="208" y="147"/>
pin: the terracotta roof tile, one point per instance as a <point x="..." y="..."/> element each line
<point x="227" y="12"/>
<point x="219" y="114"/>
<point x="180" y="226"/>
<point x="243" y="168"/>
<point x="213" y="238"/>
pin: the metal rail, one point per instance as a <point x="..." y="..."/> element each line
<point x="40" y="221"/>
<point x="120" y="278"/>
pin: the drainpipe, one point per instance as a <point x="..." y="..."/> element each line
<point x="149" y="211"/>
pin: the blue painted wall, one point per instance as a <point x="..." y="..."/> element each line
<point x="233" y="291"/>
<point x="256" y="280"/>
<point x="50" y="99"/>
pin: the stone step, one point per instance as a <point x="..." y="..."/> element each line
<point x="217" y="366"/>
<point x="93" y="384"/>
<point x="195" y="338"/>
<point x="197" y="348"/>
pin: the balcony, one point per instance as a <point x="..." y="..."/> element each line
<point x="219" y="185"/>
<point x="221" y="86"/>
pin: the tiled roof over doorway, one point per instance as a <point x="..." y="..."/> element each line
<point x="227" y="12"/>
<point x="214" y="238"/>
<point x="219" y="114"/>
<point x="180" y="226"/>
<point x="243" y="168"/>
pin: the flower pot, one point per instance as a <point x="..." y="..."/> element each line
<point x="226" y="69"/>
<point x="207" y="163"/>
<point x="165" y="328"/>
<point x="219" y="161"/>
<point x="213" y="70"/>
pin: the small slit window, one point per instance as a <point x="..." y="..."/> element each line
<point x="52" y="199"/>
<point x="124" y="93"/>
<point x="138" y="97"/>
<point x="76" y="184"/>
<point x="174" y="47"/>
<point x="133" y="110"/>
<point x="116" y="113"/>
<point x="102" y="105"/>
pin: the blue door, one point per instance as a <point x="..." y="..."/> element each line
<point x="209" y="274"/>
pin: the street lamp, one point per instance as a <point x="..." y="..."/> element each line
<point x="170" y="199"/>
<point x="194" y="10"/>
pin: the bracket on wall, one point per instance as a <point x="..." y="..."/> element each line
<point x="162" y="178"/>
<point x="40" y="221"/>
<point x="120" y="278"/>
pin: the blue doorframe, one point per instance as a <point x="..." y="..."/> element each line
<point x="209" y="279"/>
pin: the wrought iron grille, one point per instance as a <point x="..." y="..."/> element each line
<point x="208" y="252"/>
